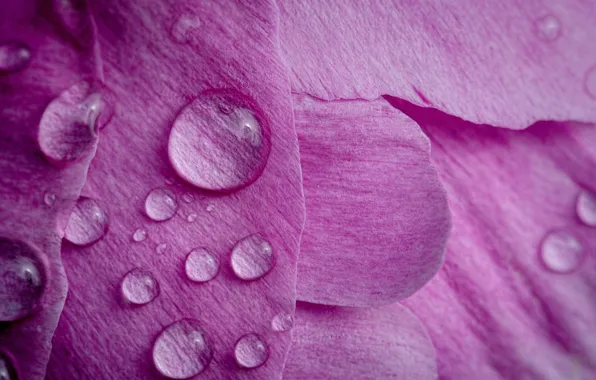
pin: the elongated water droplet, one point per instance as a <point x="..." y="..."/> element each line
<point x="282" y="322"/>
<point x="251" y="351"/>
<point x="548" y="28"/>
<point x="252" y="258"/>
<point x="586" y="208"/>
<point x="191" y="217"/>
<point x="7" y="369"/>
<point x="188" y="197"/>
<point x="88" y="223"/>
<point x="561" y="252"/>
<point x="22" y="279"/>
<point x="182" y="350"/>
<point x="161" y="205"/>
<point x="49" y="199"/>
<point x="14" y="56"/>
<point x="201" y="266"/>
<point x="185" y="28"/>
<point x="590" y="82"/>
<point x="139" y="235"/>
<point x="67" y="126"/>
<point x="219" y="141"/>
<point x="139" y="287"/>
<point x="161" y="248"/>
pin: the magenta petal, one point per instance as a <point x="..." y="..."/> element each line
<point x="352" y="343"/>
<point x="498" y="309"/>
<point x="507" y="63"/>
<point x="158" y="57"/>
<point x="377" y="216"/>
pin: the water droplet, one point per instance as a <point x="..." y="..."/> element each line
<point x="201" y="266"/>
<point x="22" y="279"/>
<point x="252" y="258"/>
<point x="185" y="28"/>
<point x="14" y="56"/>
<point x="590" y="82"/>
<point x="561" y="252"/>
<point x="7" y="369"/>
<point x="139" y="287"/>
<point x="282" y="322"/>
<point x="139" y="235"/>
<point x="215" y="150"/>
<point x="182" y="350"/>
<point x="210" y="208"/>
<point x="88" y="223"/>
<point x="67" y="129"/>
<point x="49" y="199"/>
<point x="160" y="205"/>
<point x="251" y="351"/>
<point x="191" y="217"/>
<point x="170" y="181"/>
<point x="161" y="248"/>
<point x="188" y="197"/>
<point x="548" y="28"/>
<point x="586" y="208"/>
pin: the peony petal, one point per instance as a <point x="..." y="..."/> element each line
<point x="158" y="57"/>
<point x="348" y="343"/>
<point x="508" y="63"/>
<point x="496" y="310"/>
<point x="377" y="218"/>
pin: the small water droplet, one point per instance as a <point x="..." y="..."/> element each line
<point x="161" y="248"/>
<point x="548" y="27"/>
<point x="586" y="208"/>
<point x="7" y="369"/>
<point x="191" y="217"/>
<point x="139" y="235"/>
<point x="561" y="252"/>
<point x="139" y="287"/>
<point x="252" y="258"/>
<point x="251" y="351"/>
<point x="160" y="205"/>
<point x="282" y="322"/>
<point x="49" y="199"/>
<point x="188" y="197"/>
<point x="14" y="56"/>
<point x="182" y="350"/>
<point x="22" y="279"/>
<point x="88" y="223"/>
<point x="185" y="28"/>
<point x="590" y="82"/>
<point x="215" y="150"/>
<point x="201" y="266"/>
<point x="170" y="181"/>
<point x="210" y="208"/>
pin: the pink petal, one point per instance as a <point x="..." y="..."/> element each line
<point x="155" y="65"/>
<point x="348" y="343"/>
<point x="497" y="310"/>
<point x="377" y="216"/>
<point x="507" y="63"/>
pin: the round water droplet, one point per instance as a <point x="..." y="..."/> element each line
<point x="182" y="350"/>
<point x="561" y="252"/>
<point x="548" y="28"/>
<point x="14" y="56"/>
<point x="67" y="127"/>
<point x="188" y="197"/>
<point x="139" y="235"/>
<point x="49" y="199"/>
<point x="590" y="82"/>
<point x="252" y="258"/>
<point x="210" y="208"/>
<point x="161" y="248"/>
<point x="191" y="217"/>
<point x="217" y="150"/>
<point x="88" y="223"/>
<point x="7" y="369"/>
<point x="586" y="208"/>
<point x="22" y="279"/>
<point x="185" y="28"/>
<point x="251" y="351"/>
<point x="161" y="205"/>
<point x="282" y="322"/>
<point x="201" y="266"/>
<point x="139" y="287"/>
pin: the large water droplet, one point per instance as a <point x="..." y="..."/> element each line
<point x="161" y="205"/>
<point x="548" y="28"/>
<point x="7" y="369"/>
<point x="22" y="279"/>
<point x="219" y="141"/>
<point x="14" y="56"/>
<point x="590" y="82"/>
<point x="282" y="322"/>
<point x="139" y="235"/>
<point x="561" y="252"/>
<point x="251" y="351"/>
<point x="88" y="222"/>
<point x="182" y="350"/>
<point x="252" y="257"/>
<point x="67" y="127"/>
<point x="185" y="28"/>
<point x="201" y="266"/>
<point x="139" y="287"/>
<point x="586" y="208"/>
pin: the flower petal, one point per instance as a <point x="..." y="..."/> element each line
<point x="377" y="216"/>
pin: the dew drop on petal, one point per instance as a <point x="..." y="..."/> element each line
<point x="182" y="350"/>
<point x="160" y="205"/>
<point x="161" y="248"/>
<point x="282" y="322"/>
<point x="590" y="82"/>
<point x="201" y="266"/>
<point x="88" y="223"/>
<point x="22" y="279"/>
<point x="252" y="258"/>
<point x="14" y="56"/>
<point x="548" y="27"/>
<point x="219" y="141"/>
<point x="191" y="217"/>
<point x="188" y="197"/>
<point x="210" y="208"/>
<point x="139" y="287"/>
<point x="139" y="235"/>
<point x="586" y="208"/>
<point x="251" y="351"/>
<point x="170" y="181"/>
<point x="49" y="199"/>
<point x="561" y="252"/>
<point x="7" y="369"/>
<point x="185" y="28"/>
